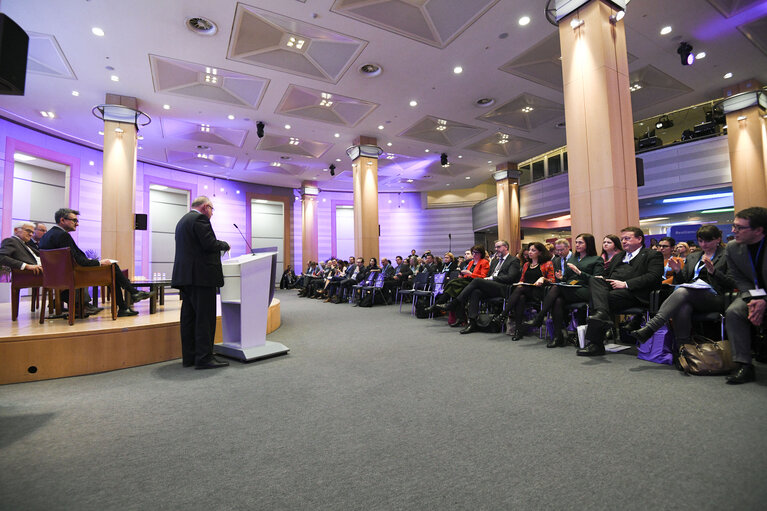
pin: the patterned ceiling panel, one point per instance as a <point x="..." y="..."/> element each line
<point x="317" y="105"/>
<point x="207" y="161"/>
<point x="441" y="131"/>
<point x="274" y="167"/>
<point x="203" y="133"/>
<point x="731" y="7"/>
<point x="264" y="38"/>
<point x="293" y="145"/>
<point x="503" y="144"/>
<point x="434" y="22"/>
<point x="45" y="57"/>
<point x="207" y="83"/>
<point x="525" y="112"/>
<point x="655" y="86"/>
<point x="756" y="32"/>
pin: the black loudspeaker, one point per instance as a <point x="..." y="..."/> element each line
<point x="140" y="222"/>
<point x="14" y="44"/>
<point x="640" y="171"/>
<point x="521" y="234"/>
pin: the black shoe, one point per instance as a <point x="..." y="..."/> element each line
<point x="457" y="324"/>
<point x="122" y="313"/>
<point x="591" y="350"/>
<point x="440" y="307"/>
<point x="92" y="309"/>
<point x="635" y="322"/>
<point x="517" y="335"/>
<point x="432" y="309"/>
<point x="187" y="364"/>
<point x="140" y="295"/>
<point x="745" y="374"/>
<point x="471" y="327"/>
<point x="601" y="316"/>
<point x="536" y="322"/>
<point x="556" y="342"/>
<point x="642" y="334"/>
<point x="214" y="363"/>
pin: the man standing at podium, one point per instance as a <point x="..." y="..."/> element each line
<point x="197" y="273"/>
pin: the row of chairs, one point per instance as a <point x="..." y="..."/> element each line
<point x="60" y="273"/>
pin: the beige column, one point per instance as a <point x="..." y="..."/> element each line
<point x="365" y="175"/>
<point x="507" y="191"/>
<point x="747" y="141"/>
<point x="118" y="190"/>
<point x="600" y="138"/>
<point x="309" y="224"/>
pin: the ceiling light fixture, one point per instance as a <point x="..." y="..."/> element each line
<point x="615" y="18"/>
<point x="576" y="22"/>
<point x="380" y="126"/>
<point x="294" y="141"/>
<point x="75" y="93"/>
<point x="295" y="42"/>
<point x="635" y="87"/>
<point x="663" y="122"/>
<point x="230" y="117"/>
<point x="114" y="78"/>
<point x="527" y="109"/>
<point x="727" y="76"/>
<point x="441" y="125"/>
<point x="697" y="197"/>
<point x="700" y="55"/>
<point x="388" y="144"/>
<point x="97" y="31"/>
<point x="685" y="53"/>
<point x="205" y="128"/>
<point x="457" y="70"/>
<point x="166" y="107"/>
<point x="326" y="100"/>
<point x="524" y="20"/>
<point x="413" y="102"/>
<point x="287" y="126"/>
<point x="47" y="114"/>
<point x="665" y="30"/>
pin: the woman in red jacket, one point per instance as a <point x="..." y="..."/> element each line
<point x="477" y="269"/>
<point x="535" y="274"/>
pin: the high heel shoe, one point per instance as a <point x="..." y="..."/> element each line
<point x="536" y="322"/>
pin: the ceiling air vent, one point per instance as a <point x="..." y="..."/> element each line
<point x="484" y="102"/>
<point x="370" y="70"/>
<point x="201" y="26"/>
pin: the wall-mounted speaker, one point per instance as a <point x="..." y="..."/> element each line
<point x="141" y="221"/>
<point x="14" y="44"/>
<point x="640" y="171"/>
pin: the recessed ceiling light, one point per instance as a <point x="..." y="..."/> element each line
<point x="338" y="159"/>
<point x="413" y="102"/>
<point x="524" y="20"/>
<point x="47" y="114"/>
<point x="166" y="107"/>
<point x="230" y="117"/>
<point x="238" y="192"/>
<point x="402" y="201"/>
<point x="700" y="55"/>
<point x="447" y="184"/>
<point x="727" y="76"/>
<point x="75" y="93"/>
<point x="426" y="150"/>
<point x="222" y="189"/>
<point x="140" y="147"/>
<point x="287" y="126"/>
<point x="97" y="31"/>
<point x="457" y="70"/>
<point x="665" y="30"/>
<point x="91" y="163"/>
<point x="388" y="144"/>
<point x="380" y="126"/>
<point x="337" y="135"/>
<point x="468" y="177"/>
<point x="460" y="156"/>
<point x="489" y="161"/>
<point x="114" y="78"/>
<point x="101" y="133"/>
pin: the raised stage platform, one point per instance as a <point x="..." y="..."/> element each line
<point x="30" y="351"/>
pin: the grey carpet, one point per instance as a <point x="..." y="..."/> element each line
<point x="373" y="409"/>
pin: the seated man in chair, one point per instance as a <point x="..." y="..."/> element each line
<point x="627" y="282"/>
<point x="16" y="253"/>
<point x="58" y="237"/>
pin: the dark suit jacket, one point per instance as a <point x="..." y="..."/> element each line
<point x="56" y="237"/>
<point x="556" y="261"/>
<point x="644" y="275"/>
<point x="719" y="280"/>
<point x="14" y="252"/>
<point x="33" y="244"/>
<point x="589" y="266"/>
<point x="740" y="267"/>
<point x="388" y="271"/>
<point x="510" y="271"/>
<point x="198" y="253"/>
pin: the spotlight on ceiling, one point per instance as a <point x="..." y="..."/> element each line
<point x="663" y="123"/>
<point x="685" y="53"/>
<point x="260" y="129"/>
<point x="332" y="169"/>
<point x="443" y="160"/>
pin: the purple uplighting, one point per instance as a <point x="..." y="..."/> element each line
<point x="720" y="25"/>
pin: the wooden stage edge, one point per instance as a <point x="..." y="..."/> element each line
<point x="30" y="351"/>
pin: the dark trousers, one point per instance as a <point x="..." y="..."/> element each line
<point x="476" y="291"/>
<point x="518" y="300"/>
<point x="198" y="324"/>
<point x="122" y="283"/>
<point x="608" y="300"/>
<point x="556" y="301"/>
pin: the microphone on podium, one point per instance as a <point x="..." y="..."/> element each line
<point x="243" y="238"/>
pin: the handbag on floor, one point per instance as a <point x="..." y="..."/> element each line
<point x="705" y="357"/>
<point x="658" y="347"/>
<point x="489" y="323"/>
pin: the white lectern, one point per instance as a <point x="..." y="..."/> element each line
<point x="244" y="308"/>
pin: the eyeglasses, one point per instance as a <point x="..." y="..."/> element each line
<point x="30" y="231"/>
<point x="736" y="227"/>
<point x="75" y="220"/>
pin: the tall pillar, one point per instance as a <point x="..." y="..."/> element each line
<point x="507" y="188"/>
<point x="364" y="155"/>
<point x="309" y="223"/>
<point x="118" y="188"/>
<point x="747" y="141"/>
<point x="600" y="137"/>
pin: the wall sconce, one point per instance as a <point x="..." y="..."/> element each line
<point x="576" y="22"/>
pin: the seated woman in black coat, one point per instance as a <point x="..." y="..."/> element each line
<point x="584" y="264"/>
<point x="288" y="279"/>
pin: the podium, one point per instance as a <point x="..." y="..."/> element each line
<point x="245" y="299"/>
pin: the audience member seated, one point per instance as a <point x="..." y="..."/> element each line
<point x="666" y="247"/>
<point x="747" y="266"/>
<point x="58" y="237"/>
<point x="309" y="269"/>
<point x="449" y="263"/>
<point x="535" y="274"/>
<point x="312" y="273"/>
<point x="467" y="256"/>
<point x="358" y="273"/>
<point x="40" y="230"/>
<point x="503" y="271"/>
<point x="610" y="246"/>
<point x="16" y="253"/>
<point x="682" y="249"/>
<point x="707" y="269"/>
<point x="627" y="282"/>
<point x="561" y="256"/>
<point x="288" y="279"/>
<point x="477" y="269"/>
<point x="583" y="265"/>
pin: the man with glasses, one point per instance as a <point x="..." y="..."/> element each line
<point x="58" y="237"/>
<point x="197" y="272"/>
<point x="627" y="282"/>
<point x="747" y="266"/>
<point x="40" y="230"/>
<point x="16" y="253"/>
